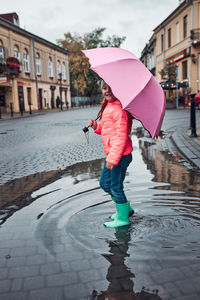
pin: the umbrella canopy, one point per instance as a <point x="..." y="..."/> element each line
<point x="131" y="83"/>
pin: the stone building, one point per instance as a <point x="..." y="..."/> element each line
<point x="148" y="55"/>
<point x="33" y="71"/>
<point x="177" y="40"/>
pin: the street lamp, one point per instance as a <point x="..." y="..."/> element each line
<point x="176" y="87"/>
<point x="60" y="78"/>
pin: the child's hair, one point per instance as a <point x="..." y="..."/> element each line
<point x="103" y="106"/>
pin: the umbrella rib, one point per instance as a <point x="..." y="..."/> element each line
<point x="109" y="62"/>
<point x="143" y="87"/>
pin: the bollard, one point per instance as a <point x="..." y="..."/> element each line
<point x="11" y="110"/>
<point x="193" y="116"/>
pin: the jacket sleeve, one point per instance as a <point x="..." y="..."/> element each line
<point x="119" y="141"/>
<point x="98" y="129"/>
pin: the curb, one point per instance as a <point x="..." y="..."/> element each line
<point x="186" y="146"/>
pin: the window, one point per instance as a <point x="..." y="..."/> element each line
<point x="16" y="52"/>
<point x="162" y="42"/>
<point x="184" y="69"/>
<point x="50" y="64"/>
<point x="1" y="52"/>
<point x="16" y="21"/>
<point x="58" y="69"/>
<point x="169" y="37"/>
<point x="26" y="62"/>
<point x="37" y="64"/>
<point x="177" y="32"/>
<point x="64" y="71"/>
<point x="185" y="26"/>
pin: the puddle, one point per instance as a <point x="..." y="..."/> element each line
<point x="55" y="245"/>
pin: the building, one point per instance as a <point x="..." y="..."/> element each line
<point x="33" y="71"/>
<point x="178" y="41"/>
<point x="148" y="55"/>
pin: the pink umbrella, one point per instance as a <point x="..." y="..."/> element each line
<point x="131" y="83"/>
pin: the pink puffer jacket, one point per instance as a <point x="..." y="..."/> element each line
<point x="115" y="129"/>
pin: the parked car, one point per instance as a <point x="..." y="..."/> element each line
<point x="197" y="100"/>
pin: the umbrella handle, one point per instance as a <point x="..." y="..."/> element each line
<point x="86" y="128"/>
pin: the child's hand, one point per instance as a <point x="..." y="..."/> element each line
<point x="93" y="124"/>
<point x="109" y="166"/>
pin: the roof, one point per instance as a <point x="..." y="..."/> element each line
<point x="30" y="35"/>
<point x="174" y="11"/>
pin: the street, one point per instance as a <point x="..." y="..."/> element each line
<point x="52" y="210"/>
<point x="55" y="140"/>
<point x="45" y="142"/>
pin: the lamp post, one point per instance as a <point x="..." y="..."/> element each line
<point x="176" y="87"/>
<point x="193" y="116"/>
<point x="60" y="78"/>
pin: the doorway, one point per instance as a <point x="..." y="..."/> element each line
<point x="52" y="99"/>
<point x="21" y="98"/>
<point x="40" y="98"/>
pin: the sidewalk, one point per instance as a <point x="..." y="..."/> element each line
<point x="188" y="146"/>
<point x="17" y="115"/>
<point x="7" y="116"/>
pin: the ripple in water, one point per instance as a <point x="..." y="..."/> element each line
<point x="156" y="256"/>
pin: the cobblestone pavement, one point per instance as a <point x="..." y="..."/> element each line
<point x="46" y="142"/>
<point x="53" y="244"/>
<point x="52" y="141"/>
<point x="56" y="247"/>
<point x="178" y="136"/>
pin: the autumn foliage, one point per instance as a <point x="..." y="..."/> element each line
<point x="85" y="82"/>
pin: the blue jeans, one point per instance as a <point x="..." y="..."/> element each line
<point x="111" y="181"/>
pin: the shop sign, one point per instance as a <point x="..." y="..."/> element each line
<point x="179" y="56"/>
<point x="3" y="79"/>
<point x="20" y="83"/>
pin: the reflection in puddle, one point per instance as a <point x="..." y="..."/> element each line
<point x="17" y="194"/>
<point x="167" y="168"/>
<point x="60" y="232"/>
<point x="119" y="276"/>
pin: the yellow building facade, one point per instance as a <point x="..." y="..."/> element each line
<point x="178" y="40"/>
<point x="33" y="71"/>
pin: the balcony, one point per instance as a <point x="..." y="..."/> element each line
<point x="195" y="37"/>
<point x="9" y="68"/>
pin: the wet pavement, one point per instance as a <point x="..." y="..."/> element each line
<point x="46" y="142"/>
<point x="57" y="248"/>
<point x="54" y="245"/>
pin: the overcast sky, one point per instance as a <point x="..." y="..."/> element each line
<point x="50" y="19"/>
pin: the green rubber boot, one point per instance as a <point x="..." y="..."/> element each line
<point x="131" y="211"/>
<point x="122" y="216"/>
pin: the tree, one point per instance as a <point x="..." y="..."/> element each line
<point x="85" y="82"/>
<point x="168" y="73"/>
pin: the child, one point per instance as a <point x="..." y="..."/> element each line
<point x="115" y="129"/>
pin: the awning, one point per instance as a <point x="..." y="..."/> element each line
<point x="172" y="85"/>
